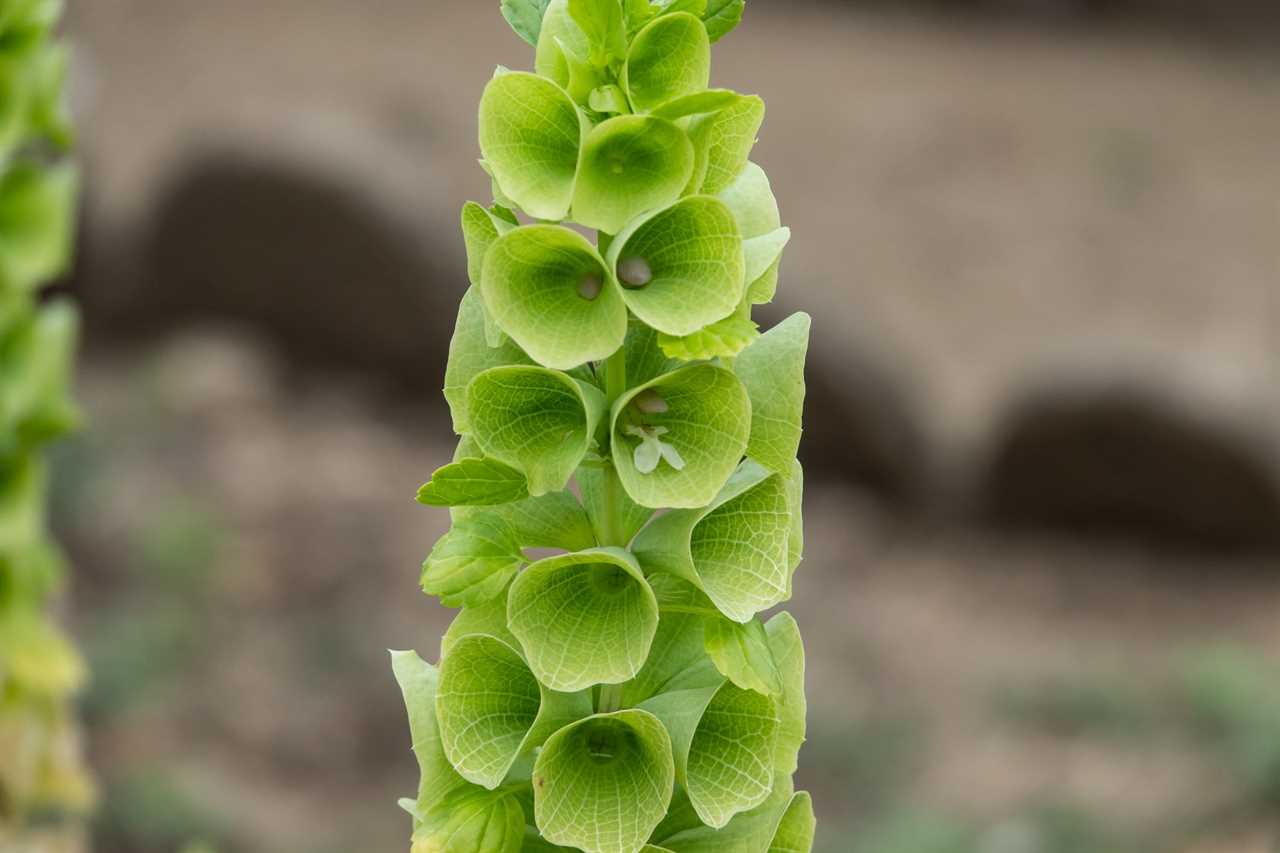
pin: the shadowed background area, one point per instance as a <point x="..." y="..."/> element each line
<point x="1038" y="239"/>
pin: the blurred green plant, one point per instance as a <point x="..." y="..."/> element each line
<point x="40" y="769"/>
<point x="623" y="694"/>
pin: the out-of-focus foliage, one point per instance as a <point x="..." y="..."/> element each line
<point x="40" y="769"/>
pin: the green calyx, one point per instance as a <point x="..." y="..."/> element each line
<point x="619" y="410"/>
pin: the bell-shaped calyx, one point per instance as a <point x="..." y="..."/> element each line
<point x="603" y="784"/>
<point x="549" y="289"/>
<point x="731" y="745"/>
<point x="37" y="219"/>
<point x="772" y="369"/>
<point x="615" y="617"/>
<point x="538" y="421"/>
<point x="676" y="439"/>
<point x="669" y="58"/>
<point x="734" y="548"/>
<point x="449" y="812"/>
<point x="681" y="267"/>
<point x="530" y="136"/>
<point x="492" y="710"/>
<point x="630" y="164"/>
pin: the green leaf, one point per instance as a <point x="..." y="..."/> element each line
<point x="602" y="23"/>
<point x="525" y="17"/>
<point x="474" y="482"/>
<point x="549" y="289"/>
<point x="772" y="369"/>
<point x="751" y="199"/>
<point x="682" y="267"/>
<point x="470" y="355"/>
<point x="538" y="421"/>
<point x="750" y="832"/>
<point x="742" y="654"/>
<point x="530" y="136"/>
<point x="614" y="618"/>
<point x="763" y="257"/>
<point x="722" y="339"/>
<point x="553" y="520"/>
<point x="645" y="359"/>
<point x="734" y="549"/>
<point x="723" y="141"/>
<point x="419" y="682"/>
<point x="492" y="710"/>
<point x="722" y="17"/>
<point x="787" y="650"/>
<point x="37" y="211"/>
<point x="564" y="53"/>
<point x="480" y="228"/>
<point x="634" y="516"/>
<point x="706" y="414"/>
<point x="474" y="562"/>
<point x="630" y="165"/>
<point x="601" y="785"/>
<point x="670" y="58"/>
<point x="677" y="661"/>
<point x="795" y="832"/>
<point x="708" y="101"/>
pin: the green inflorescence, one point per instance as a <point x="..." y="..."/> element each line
<point x="40" y="772"/>
<point x="617" y="406"/>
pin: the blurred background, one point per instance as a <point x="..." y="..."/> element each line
<point x="1041" y="243"/>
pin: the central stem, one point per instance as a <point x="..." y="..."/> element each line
<point x="615" y="385"/>
<point x="610" y="699"/>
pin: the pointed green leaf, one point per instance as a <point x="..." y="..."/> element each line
<point x="602" y="23"/>
<point x="474" y="562"/>
<point x="750" y="832"/>
<point x="722" y="17"/>
<point x="734" y="549"/>
<point x="549" y="289"/>
<point x="750" y="198"/>
<point x="583" y="619"/>
<point x="37" y="209"/>
<point x="480" y="228"/>
<point x="553" y="520"/>
<point x="530" y="135"/>
<point x="742" y="654"/>
<point x="723" y="141"/>
<point x="474" y="482"/>
<point x="788" y="653"/>
<point x="722" y="339"/>
<point x="602" y="784"/>
<point x="525" y="17"/>
<point x="763" y="256"/>
<point x="630" y="164"/>
<point x="538" y="421"/>
<point x="470" y="355"/>
<point x="670" y="58"/>
<point x="682" y="267"/>
<point x="419" y="682"/>
<point x="708" y="101"/>
<point x="795" y="832"/>
<point x="772" y="368"/>
<point x="492" y="710"/>
<point x="705" y="414"/>
<point x="645" y="359"/>
<point x="564" y="51"/>
<point x="677" y="661"/>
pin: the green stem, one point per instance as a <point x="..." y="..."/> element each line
<point x="610" y="699"/>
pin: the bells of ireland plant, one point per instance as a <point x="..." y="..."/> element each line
<point x="44" y="789"/>
<point x="625" y="496"/>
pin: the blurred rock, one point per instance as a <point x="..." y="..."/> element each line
<point x="1103" y="454"/>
